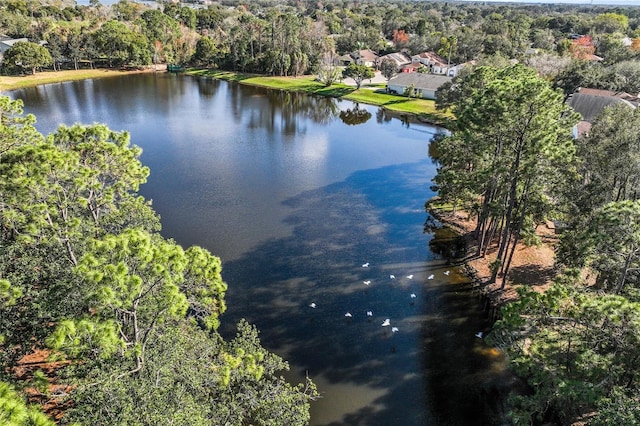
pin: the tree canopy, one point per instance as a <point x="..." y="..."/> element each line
<point x="287" y="38"/>
<point x="86" y="277"/>
<point x="358" y="73"/>
<point x="26" y="56"/>
<point x="510" y="146"/>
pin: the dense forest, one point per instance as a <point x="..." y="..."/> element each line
<point x="127" y="320"/>
<point x="512" y="162"/>
<point x="305" y="37"/>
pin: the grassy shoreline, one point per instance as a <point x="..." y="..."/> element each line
<point x="8" y="83"/>
<point x="423" y="110"/>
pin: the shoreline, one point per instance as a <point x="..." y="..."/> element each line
<point x="410" y="110"/>
<point x="532" y="266"/>
<point x="413" y="110"/>
<point x="9" y="83"/>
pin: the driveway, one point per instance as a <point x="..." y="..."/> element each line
<point x="378" y="78"/>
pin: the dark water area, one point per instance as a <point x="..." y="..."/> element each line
<point x="296" y="194"/>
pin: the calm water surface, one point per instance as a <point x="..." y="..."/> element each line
<point x="295" y="197"/>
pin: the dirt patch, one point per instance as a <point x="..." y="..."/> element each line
<point x="531" y="266"/>
<point x="52" y="399"/>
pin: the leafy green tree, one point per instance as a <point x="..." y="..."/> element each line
<point x="194" y="378"/>
<point x="16" y="129"/>
<point x="55" y="45"/>
<point x="507" y="166"/>
<point x="580" y="73"/>
<point x="576" y="348"/>
<point x="611" y="48"/>
<point x="469" y="45"/>
<point x="608" y="162"/>
<point x="210" y="18"/>
<point x="614" y="234"/>
<point x="206" y="52"/>
<point x="626" y="75"/>
<point x="610" y="155"/>
<point x="135" y="281"/>
<point x="185" y="15"/>
<point x="56" y="194"/>
<point x="448" y="46"/>
<point x="83" y="269"/>
<point x="163" y="32"/>
<point x="15" y="412"/>
<point x="388" y="68"/>
<point x="125" y="10"/>
<point x="79" y="46"/>
<point x="25" y="56"/>
<point x="358" y="73"/>
<point x="611" y="22"/>
<point x="289" y="51"/>
<point x="76" y="179"/>
<point x="543" y="39"/>
<point x="120" y="45"/>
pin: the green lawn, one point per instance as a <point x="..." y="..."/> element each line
<point x="47" y="77"/>
<point x="422" y="108"/>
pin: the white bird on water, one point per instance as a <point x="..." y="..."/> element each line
<point x="410" y="276"/>
<point x="479" y="334"/>
<point x="386" y="322"/>
<point x="313" y="305"/>
<point x="430" y="277"/>
<point x="413" y="295"/>
<point x="394" y="329"/>
<point x="367" y="282"/>
<point x="393" y="277"/>
<point x="447" y="272"/>
<point x="365" y="265"/>
<point x="369" y="313"/>
<point x="348" y="315"/>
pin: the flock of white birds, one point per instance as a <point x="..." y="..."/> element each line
<point x="387" y="321"/>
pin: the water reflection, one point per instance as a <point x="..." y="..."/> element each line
<point x="336" y="229"/>
<point x="294" y="202"/>
<point x="284" y="112"/>
<point x="430" y="372"/>
<point x="383" y="116"/>
<point x="354" y="116"/>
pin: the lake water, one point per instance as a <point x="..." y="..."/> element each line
<point x="295" y="197"/>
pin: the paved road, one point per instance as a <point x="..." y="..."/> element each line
<point x="378" y="78"/>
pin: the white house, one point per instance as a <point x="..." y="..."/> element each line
<point x="436" y="64"/>
<point x="425" y="85"/>
<point x="359" y="57"/>
<point x="401" y="59"/>
<point x="6" y="43"/>
<point x="429" y="58"/>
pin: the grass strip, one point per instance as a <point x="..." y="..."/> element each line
<point x="423" y="109"/>
<point x="47" y="77"/>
